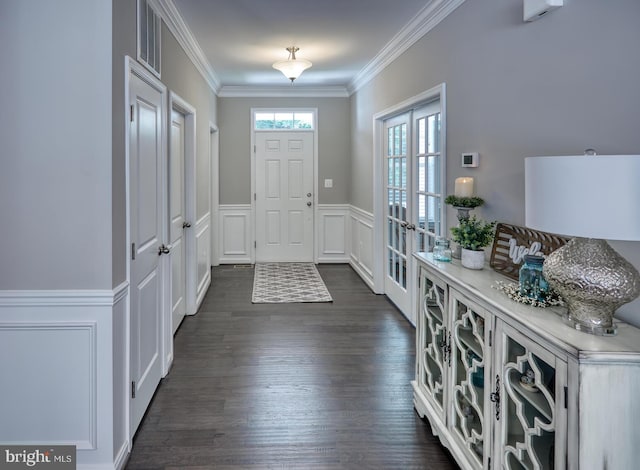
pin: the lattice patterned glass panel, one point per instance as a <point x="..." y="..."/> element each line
<point x="468" y="352"/>
<point x="529" y="408"/>
<point x="434" y="341"/>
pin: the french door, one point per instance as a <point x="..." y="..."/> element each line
<point x="414" y="181"/>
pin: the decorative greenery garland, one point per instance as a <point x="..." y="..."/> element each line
<point x="469" y="202"/>
<point x="512" y="290"/>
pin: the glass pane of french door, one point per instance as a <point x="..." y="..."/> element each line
<point x="396" y="190"/>
<point x="429" y="209"/>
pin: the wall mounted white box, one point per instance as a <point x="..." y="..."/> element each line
<point x="470" y="160"/>
<point x="536" y="9"/>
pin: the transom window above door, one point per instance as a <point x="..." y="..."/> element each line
<point x="266" y="120"/>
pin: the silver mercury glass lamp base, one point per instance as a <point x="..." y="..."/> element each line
<point x="594" y="281"/>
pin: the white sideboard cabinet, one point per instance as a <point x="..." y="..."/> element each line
<point x="510" y="386"/>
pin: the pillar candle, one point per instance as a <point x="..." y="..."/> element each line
<point x="464" y="187"/>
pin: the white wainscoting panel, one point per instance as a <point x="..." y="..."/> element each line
<point x="57" y="358"/>
<point x="235" y="233"/>
<point x="64" y="369"/>
<point x="203" y="254"/>
<point x="361" y="259"/>
<point x="332" y="233"/>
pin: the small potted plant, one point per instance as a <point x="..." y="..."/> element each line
<point x="473" y="234"/>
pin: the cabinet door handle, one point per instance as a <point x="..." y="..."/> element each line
<point x="449" y="349"/>
<point x="443" y="345"/>
<point x="495" y="397"/>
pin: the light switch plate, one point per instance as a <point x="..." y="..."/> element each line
<point x="328" y="183"/>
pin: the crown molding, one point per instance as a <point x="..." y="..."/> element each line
<point x="187" y="40"/>
<point x="289" y="91"/>
<point x="427" y="19"/>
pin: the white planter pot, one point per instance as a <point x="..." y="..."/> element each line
<point x="472" y="259"/>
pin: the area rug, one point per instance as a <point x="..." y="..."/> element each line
<point x="276" y="283"/>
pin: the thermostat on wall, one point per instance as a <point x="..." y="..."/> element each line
<point x="470" y="160"/>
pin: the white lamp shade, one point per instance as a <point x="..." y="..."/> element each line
<point x="292" y="68"/>
<point x="584" y="196"/>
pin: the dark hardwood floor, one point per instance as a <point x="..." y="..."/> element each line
<point x="289" y="386"/>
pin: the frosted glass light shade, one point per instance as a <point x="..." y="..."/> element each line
<point x="590" y="196"/>
<point x="292" y="68"/>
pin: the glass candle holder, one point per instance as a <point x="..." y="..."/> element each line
<point x="442" y="250"/>
<point x="532" y="282"/>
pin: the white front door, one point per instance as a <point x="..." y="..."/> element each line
<point x="414" y="182"/>
<point x="146" y="221"/>
<point x="177" y="218"/>
<point x="284" y="196"/>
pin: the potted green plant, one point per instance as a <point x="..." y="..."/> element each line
<point x="473" y="234"/>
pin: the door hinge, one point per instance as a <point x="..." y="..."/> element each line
<point x="133" y="251"/>
<point x="255" y="244"/>
<point x="566" y="398"/>
<point x="254" y="149"/>
<point x="489" y="463"/>
<point x="490" y="338"/>
<point x="255" y="198"/>
<point x="133" y="389"/>
<point x="131" y="114"/>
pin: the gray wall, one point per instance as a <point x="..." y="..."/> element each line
<point x="124" y="43"/>
<point x="235" y="139"/>
<point x="556" y="86"/>
<point x="55" y="129"/>
<point x="180" y="76"/>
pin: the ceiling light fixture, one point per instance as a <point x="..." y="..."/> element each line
<point x="292" y="67"/>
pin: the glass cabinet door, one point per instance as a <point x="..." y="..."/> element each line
<point x="529" y="394"/>
<point x="433" y="341"/>
<point x="468" y="367"/>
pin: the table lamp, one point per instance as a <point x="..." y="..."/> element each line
<point x="593" y="198"/>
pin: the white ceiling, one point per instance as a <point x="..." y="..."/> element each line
<point x="241" y="39"/>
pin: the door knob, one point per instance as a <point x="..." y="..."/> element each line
<point x="186" y="225"/>
<point x="163" y="250"/>
<point x="309" y="203"/>
<point x="308" y="194"/>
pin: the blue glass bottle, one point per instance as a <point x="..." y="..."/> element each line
<point x="532" y="282"/>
